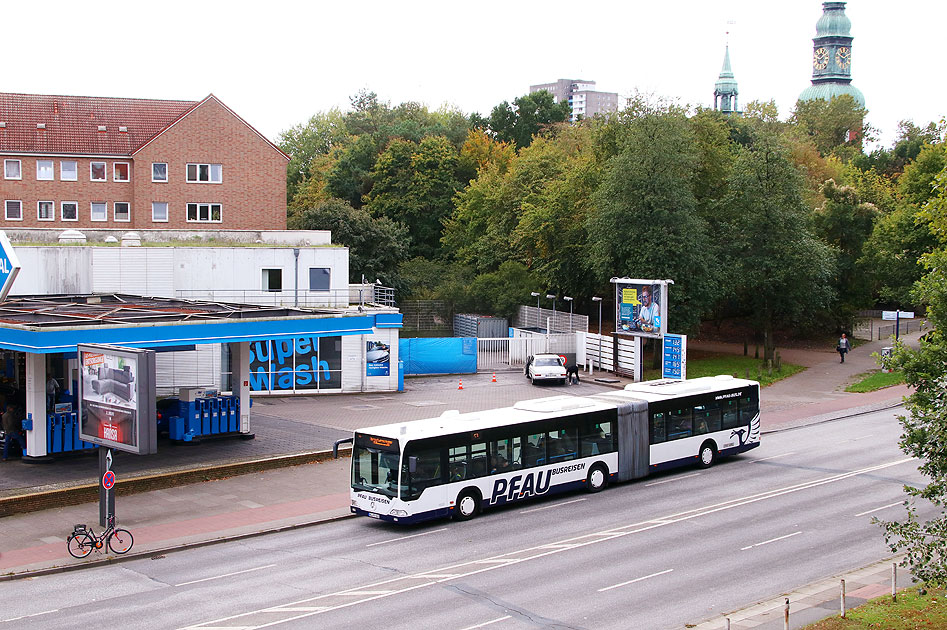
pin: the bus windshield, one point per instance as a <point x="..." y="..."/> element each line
<point x="375" y="464"/>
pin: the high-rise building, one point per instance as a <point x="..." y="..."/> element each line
<point x="832" y="57"/>
<point x="581" y="96"/>
<point x="725" y="90"/>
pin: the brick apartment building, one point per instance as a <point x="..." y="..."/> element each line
<point x="94" y="162"/>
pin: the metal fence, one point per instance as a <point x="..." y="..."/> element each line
<point x="904" y="326"/>
<point x="509" y="353"/>
<point x="425" y="315"/>
<point x="304" y="298"/>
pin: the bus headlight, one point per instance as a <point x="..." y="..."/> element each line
<point x="397" y="513"/>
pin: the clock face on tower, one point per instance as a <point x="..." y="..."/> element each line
<point x="820" y="59"/>
<point x="843" y="57"/>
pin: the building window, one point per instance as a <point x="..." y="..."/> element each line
<point x="100" y="211"/>
<point x="68" y="171"/>
<point x="70" y="211"/>
<point x="159" y="171"/>
<point x="120" y="171"/>
<point x="98" y="171"/>
<point x="14" y="210"/>
<point x="121" y="210"/>
<point x="11" y="169"/>
<point x="45" y="211"/>
<point x="203" y="212"/>
<point x="205" y="173"/>
<point x="318" y="279"/>
<point x="159" y="211"/>
<point x="44" y="170"/>
<point x="272" y="279"/>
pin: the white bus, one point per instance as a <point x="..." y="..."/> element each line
<point x="457" y="464"/>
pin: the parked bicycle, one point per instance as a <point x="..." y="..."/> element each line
<point x="82" y="541"/>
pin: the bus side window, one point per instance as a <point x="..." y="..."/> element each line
<point x="680" y="424"/>
<point x="749" y="407"/>
<point x="534" y="452"/>
<point x="505" y="455"/>
<point x="426" y="474"/>
<point x="606" y="443"/>
<point x="478" y="466"/>
<point x="457" y="463"/>
<point x="658" y="428"/>
<point x="593" y="440"/>
<point x="731" y="419"/>
<point x="706" y="419"/>
<point x="566" y="445"/>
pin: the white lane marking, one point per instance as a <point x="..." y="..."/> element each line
<point x="45" y="612"/>
<point x="763" y="459"/>
<point x="771" y="540"/>
<point x="391" y="540"/>
<point x="549" y="507"/>
<point x="217" y="577"/>
<point x="883" y="507"/>
<point x="486" y="623"/>
<point x="646" y="577"/>
<point x="474" y="567"/>
<point x="658" y="483"/>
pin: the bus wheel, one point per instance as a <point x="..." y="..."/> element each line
<point x="707" y="455"/>
<point x="598" y="477"/>
<point x="468" y="504"/>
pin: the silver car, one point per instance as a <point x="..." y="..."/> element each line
<point x="545" y="368"/>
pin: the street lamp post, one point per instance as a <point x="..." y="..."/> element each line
<point x="599" y="300"/>
<point x="550" y="296"/>
<point x="538" y="312"/>
<point x="569" y="300"/>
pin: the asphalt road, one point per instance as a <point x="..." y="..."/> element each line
<point x="658" y="553"/>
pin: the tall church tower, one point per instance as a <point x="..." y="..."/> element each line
<point x="725" y="90"/>
<point x="832" y="57"/>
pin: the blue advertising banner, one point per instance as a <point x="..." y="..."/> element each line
<point x="377" y="358"/>
<point x="296" y="364"/>
<point x="675" y="357"/>
<point x="641" y="307"/>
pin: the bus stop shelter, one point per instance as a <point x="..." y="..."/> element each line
<point x="40" y="325"/>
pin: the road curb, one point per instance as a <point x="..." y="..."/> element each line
<point x="87" y="493"/>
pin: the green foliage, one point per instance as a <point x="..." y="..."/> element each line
<point x="529" y="115"/>
<point x="376" y="245"/>
<point x="303" y="143"/>
<point x="911" y="611"/>
<point x="916" y="185"/>
<point x="875" y="380"/>
<point x="836" y="127"/>
<point x="890" y="261"/>
<point x="736" y="365"/>
<point x="891" y="162"/>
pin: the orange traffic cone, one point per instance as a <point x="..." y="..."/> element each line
<point x="494" y="378"/>
<point x="460" y="384"/>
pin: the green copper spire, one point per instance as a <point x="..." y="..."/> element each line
<point x="725" y="90"/>
<point x="832" y="56"/>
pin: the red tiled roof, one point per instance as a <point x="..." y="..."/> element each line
<point x="73" y="122"/>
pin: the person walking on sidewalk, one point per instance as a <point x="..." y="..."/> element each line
<point x="843" y="347"/>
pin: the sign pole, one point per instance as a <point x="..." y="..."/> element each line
<point x="897" y="325"/>
<point x="106" y="485"/>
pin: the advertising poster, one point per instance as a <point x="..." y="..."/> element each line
<point x="303" y="363"/>
<point x="641" y="307"/>
<point x="116" y="398"/>
<point x="377" y="358"/>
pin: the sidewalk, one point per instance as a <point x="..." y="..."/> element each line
<point x="257" y="503"/>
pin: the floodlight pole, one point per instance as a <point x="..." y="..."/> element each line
<point x="538" y="312"/>
<point x="569" y="300"/>
<point x="550" y="296"/>
<point x="599" y="300"/>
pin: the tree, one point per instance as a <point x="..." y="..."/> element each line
<point x="845" y="222"/>
<point x="304" y="143"/>
<point x="836" y="126"/>
<point x="891" y="256"/>
<point x="529" y="114"/>
<point x="781" y="273"/>
<point x="376" y="245"/>
<point x="916" y="184"/>
<point x="646" y="223"/>
<point x="925" y="428"/>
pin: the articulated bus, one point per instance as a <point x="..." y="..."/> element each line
<point x="457" y="464"/>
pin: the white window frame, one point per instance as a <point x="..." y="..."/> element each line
<point x="210" y="173"/>
<point x="19" y="166"/>
<point x="105" y="215"/>
<point x="115" y="205"/>
<point x="75" y="171"/>
<point x="115" y="172"/>
<point x="105" y="167"/>
<point x="62" y="210"/>
<point x="167" y="211"/>
<point x="6" y="210"/>
<point x="52" y="211"/>
<point x="210" y="212"/>
<point x="52" y="170"/>
<point x="159" y="181"/>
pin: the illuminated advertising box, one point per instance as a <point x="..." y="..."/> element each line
<point x="641" y="307"/>
<point x="117" y="398"/>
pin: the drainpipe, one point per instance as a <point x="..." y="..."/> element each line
<point x="296" y="255"/>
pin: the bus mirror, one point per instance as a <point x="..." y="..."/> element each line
<point x="412" y="464"/>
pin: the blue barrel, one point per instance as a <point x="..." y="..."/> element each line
<point x="204" y="406"/>
<point x="176" y="428"/>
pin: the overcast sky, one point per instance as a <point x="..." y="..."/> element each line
<point x="276" y="63"/>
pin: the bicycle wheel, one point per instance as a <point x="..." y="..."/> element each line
<point x="121" y="541"/>
<point x="79" y="545"/>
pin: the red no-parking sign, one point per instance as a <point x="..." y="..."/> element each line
<point x="108" y="480"/>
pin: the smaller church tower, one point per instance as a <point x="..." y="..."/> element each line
<point x="832" y="57"/>
<point x="725" y="90"/>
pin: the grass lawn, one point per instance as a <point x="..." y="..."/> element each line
<point x="910" y="612"/>
<point x="874" y="380"/>
<point x="734" y="365"/>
